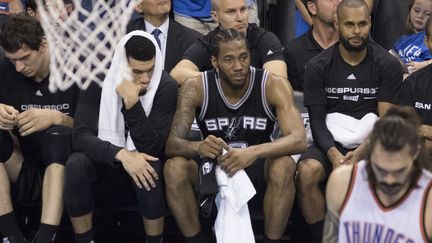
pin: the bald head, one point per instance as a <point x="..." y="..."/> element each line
<point x="360" y="4"/>
<point x="215" y="4"/>
<point x="231" y="14"/>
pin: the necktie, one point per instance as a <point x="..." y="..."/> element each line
<point x="156" y="33"/>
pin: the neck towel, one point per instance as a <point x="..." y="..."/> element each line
<point x="111" y="121"/>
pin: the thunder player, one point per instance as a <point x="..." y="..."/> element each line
<point x="388" y="196"/>
<point x="236" y="107"/>
<point x="42" y="123"/>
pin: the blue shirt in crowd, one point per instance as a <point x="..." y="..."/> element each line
<point x="412" y="48"/>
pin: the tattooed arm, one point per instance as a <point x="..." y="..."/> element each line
<point x="189" y="99"/>
<point x="337" y="189"/>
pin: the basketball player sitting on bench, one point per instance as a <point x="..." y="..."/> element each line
<point x="125" y="171"/>
<point x="42" y="123"/>
<point x="353" y="82"/>
<point x="237" y="105"/>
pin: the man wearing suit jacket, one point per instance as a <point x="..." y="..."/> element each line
<point x="173" y="37"/>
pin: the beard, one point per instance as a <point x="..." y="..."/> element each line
<point x="389" y="189"/>
<point x="236" y="86"/>
<point x="352" y="48"/>
<point x="325" y="19"/>
<point x="142" y="92"/>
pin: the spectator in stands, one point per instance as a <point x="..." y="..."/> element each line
<point x="321" y="36"/>
<point x="10" y="7"/>
<point x="300" y="6"/>
<point x="265" y="48"/>
<point x="174" y="38"/>
<point x="345" y="88"/>
<point x="388" y="20"/>
<point x="237" y="96"/>
<point x="63" y="10"/>
<point x="417" y="92"/>
<point x="303" y="19"/>
<point x="253" y="17"/>
<point x="40" y="120"/>
<point x="119" y="137"/>
<point x="197" y="14"/>
<point x="411" y="47"/>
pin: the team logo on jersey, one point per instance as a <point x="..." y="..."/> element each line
<point x="233" y="127"/>
<point x="351" y="90"/>
<point x="38" y="93"/>
<point x="356" y="231"/>
<point x="351" y="77"/>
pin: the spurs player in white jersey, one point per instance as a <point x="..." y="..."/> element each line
<point x="387" y="197"/>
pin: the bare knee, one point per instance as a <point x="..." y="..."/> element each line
<point x="281" y="171"/>
<point x="177" y="171"/>
<point x="310" y="173"/>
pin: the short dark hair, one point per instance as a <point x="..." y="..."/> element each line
<point x="396" y="129"/>
<point x="225" y="35"/>
<point x="19" y="30"/>
<point x="140" y="48"/>
<point x="351" y="4"/>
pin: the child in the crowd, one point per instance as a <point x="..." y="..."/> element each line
<point x="411" y="47"/>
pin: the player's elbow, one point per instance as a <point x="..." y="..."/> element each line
<point x="300" y="142"/>
<point x="176" y="75"/>
<point x="184" y="70"/>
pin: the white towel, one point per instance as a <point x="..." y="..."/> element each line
<point x="111" y="121"/>
<point x="233" y="223"/>
<point x="347" y="130"/>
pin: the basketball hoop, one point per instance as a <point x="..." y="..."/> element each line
<point x="82" y="44"/>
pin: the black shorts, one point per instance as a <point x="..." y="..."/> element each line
<point x="255" y="173"/>
<point x="6" y="145"/>
<point x="27" y="190"/>
<point x="313" y="152"/>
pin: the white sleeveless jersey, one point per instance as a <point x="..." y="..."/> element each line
<point x="363" y="219"/>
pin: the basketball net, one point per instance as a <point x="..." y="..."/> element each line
<point x="82" y="45"/>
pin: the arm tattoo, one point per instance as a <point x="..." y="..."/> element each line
<point x="184" y="115"/>
<point x="187" y="102"/>
<point x="331" y="228"/>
